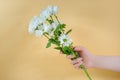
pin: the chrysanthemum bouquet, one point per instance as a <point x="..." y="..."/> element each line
<point x="47" y="24"/>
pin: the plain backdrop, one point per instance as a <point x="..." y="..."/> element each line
<point x="95" y="24"/>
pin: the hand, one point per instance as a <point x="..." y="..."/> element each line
<point x="95" y="61"/>
<point x="85" y="58"/>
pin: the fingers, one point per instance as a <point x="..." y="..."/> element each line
<point x="61" y="52"/>
<point x="77" y="66"/>
<point x="78" y="48"/>
<point x="70" y="56"/>
<point x="75" y="61"/>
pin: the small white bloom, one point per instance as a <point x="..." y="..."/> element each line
<point x="50" y="10"/>
<point x="39" y="33"/>
<point x="33" y="24"/>
<point x="47" y="28"/>
<point x="53" y="28"/>
<point x="54" y="25"/>
<point x="55" y="9"/>
<point x="45" y="14"/>
<point x="42" y="29"/>
<point x="65" y="40"/>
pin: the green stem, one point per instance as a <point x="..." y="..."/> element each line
<point x="86" y="72"/>
<point x="57" y="19"/>
<point x="51" y="18"/>
<point x="46" y="36"/>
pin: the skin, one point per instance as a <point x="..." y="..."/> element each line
<point x="94" y="61"/>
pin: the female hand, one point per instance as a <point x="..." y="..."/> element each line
<point x="85" y="58"/>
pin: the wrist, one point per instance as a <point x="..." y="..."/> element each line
<point x="93" y="61"/>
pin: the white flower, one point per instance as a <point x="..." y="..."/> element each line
<point x="50" y="10"/>
<point x="45" y="28"/>
<point x="65" y="40"/>
<point x="53" y="28"/>
<point x="45" y="14"/>
<point x="39" y="26"/>
<point x="33" y="24"/>
<point x="55" y="9"/>
<point x="39" y="33"/>
<point x="54" y="25"/>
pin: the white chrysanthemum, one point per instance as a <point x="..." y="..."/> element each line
<point x="39" y="33"/>
<point x="65" y="40"/>
<point x="55" y="9"/>
<point x="33" y="24"/>
<point x="53" y="28"/>
<point x="50" y="10"/>
<point x="45" y="28"/>
<point x="54" y="25"/>
<point x="45" y="14"/>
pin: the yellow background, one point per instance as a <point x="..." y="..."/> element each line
<point x="95" y="24"/>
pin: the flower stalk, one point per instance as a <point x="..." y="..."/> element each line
<point x="57" y="19"/>
<point x="46" y="36"/>
<point x="86" y="72"/>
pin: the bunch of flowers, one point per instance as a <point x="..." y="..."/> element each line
<point x="47" y="24"/>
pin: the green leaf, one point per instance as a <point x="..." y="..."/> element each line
<point x="36" y="28"/>
<point x="48" y="44"/>
<point x="63" y="25"/>
<point x="57" y="32"/>
<point x="50" y="21"/>
<point x="53" y="41"/>
<point x="67" y="50"/>
<point x="68" y="31"/>
<point x="58" y="48"/>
